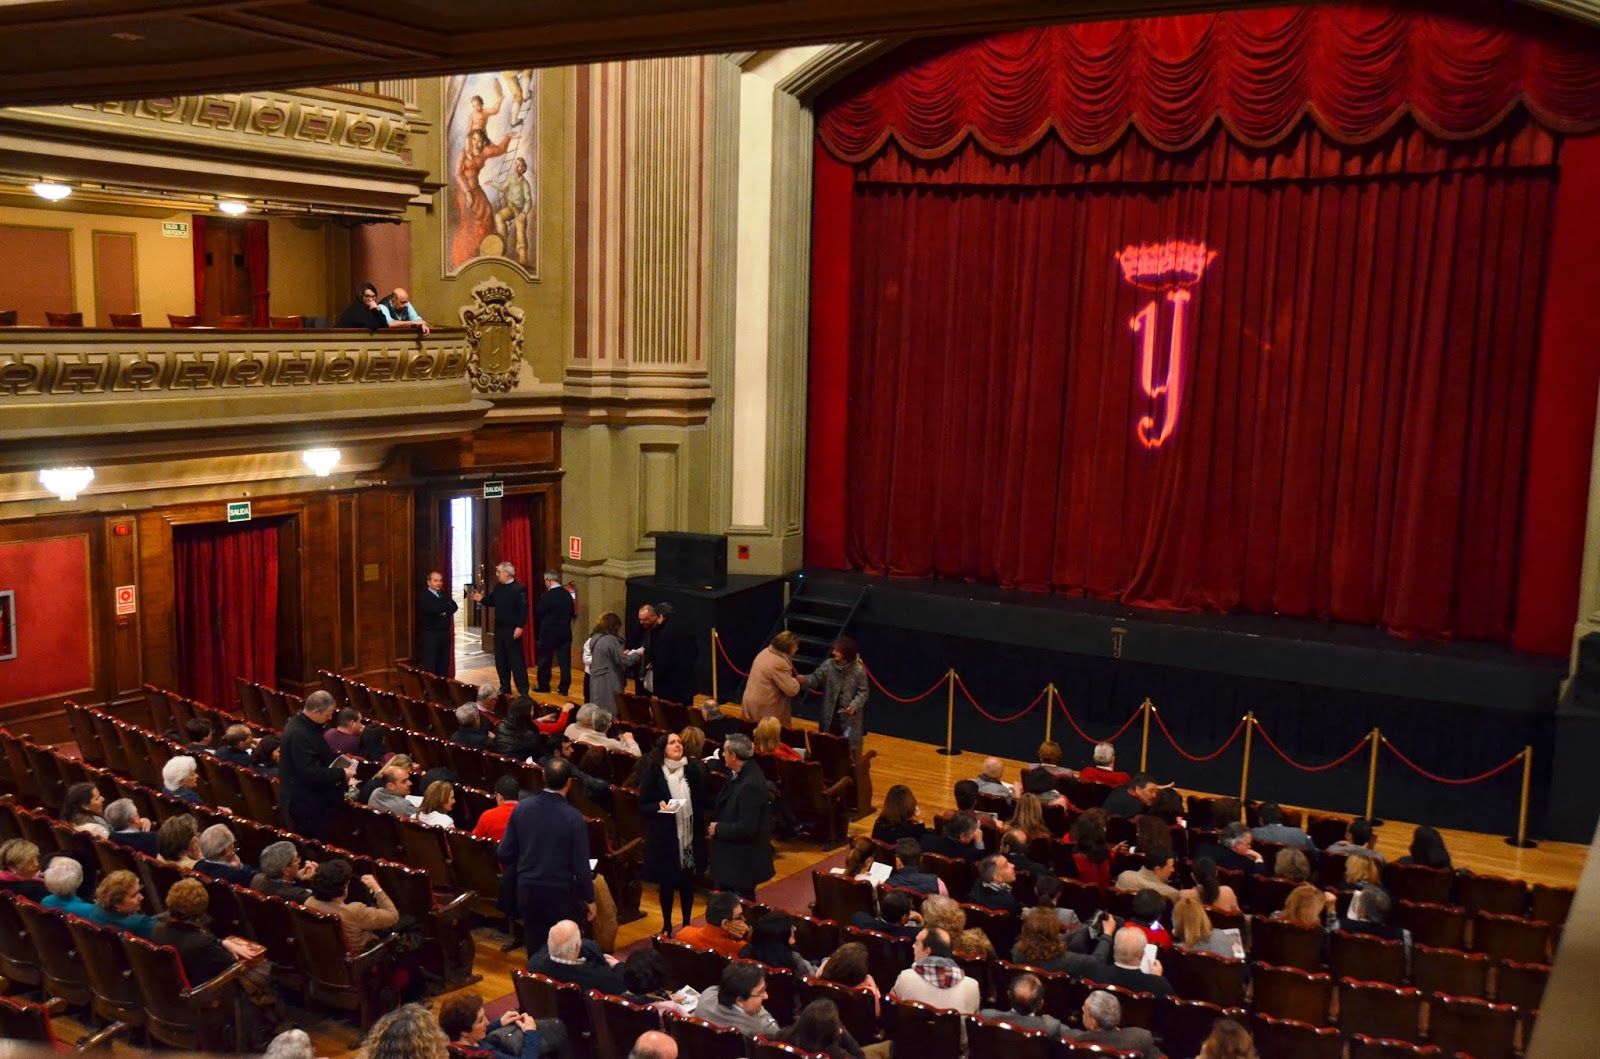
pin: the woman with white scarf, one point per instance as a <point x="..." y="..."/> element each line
<point x="672" y="791"/>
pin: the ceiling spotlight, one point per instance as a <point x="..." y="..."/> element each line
<point x="230" y="206"/>
<point x="66" y="482"/>
<point x="323" y="461"/>
<point x="49" y="189"/>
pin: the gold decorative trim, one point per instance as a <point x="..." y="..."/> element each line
<point x="494" y="337"/>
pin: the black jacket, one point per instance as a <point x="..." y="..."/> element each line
<point x="310" y="788"/>
<point x="143" y="841"/>
<point x="592" y="973"/>
<point x="994" y="897"/>
<point x="510" y="603"/>
<point x="433" y="612"/>
<point x="202" y="955"/>
<point x="553" y="616"/>
<point x="661" y="860"/>
<point x="741" y="850"/>
<point x="1121" y="802"/>
<point x="936" y="842"/>
<point x="671" y="651"/>
<point x="240" y="876"/>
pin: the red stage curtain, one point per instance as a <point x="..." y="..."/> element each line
<point x="226" y="582"/>
<point x="1353" y="69"/>
<point x="197" y="241"/>
<point x="516" y="542"/>
<point x="255" y="257"/>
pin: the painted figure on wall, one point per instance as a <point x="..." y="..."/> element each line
<point x="491" y="146"/>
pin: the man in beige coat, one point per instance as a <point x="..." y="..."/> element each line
<point x="772" y="683"/>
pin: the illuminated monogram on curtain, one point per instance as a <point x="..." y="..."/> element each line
<point x="1171" y="268"/>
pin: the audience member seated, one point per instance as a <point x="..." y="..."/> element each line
<point x="961" y="838"/>
<point x="363" y="312"/>
<point x="1041" y="784"/>
<point x="654" y="1044"/>
<point x="993" y="886"/>
<point x="492" y="824"/>
<point x="1358" y="841"/>
<point x="908" y="873"/>
<point x="469" y="728"/>
<point x="1292" y="864"/>
<point x="989" y="781"/>
<point x="204" y="956"/>
<point x="1047" y="890"/>
<point x="1014" y="844"/>
<point x="944" y="913"/>
<point x="408" y="1032"/>
<point x="725" y="928"/>
<point x="899" y="818"/>
<point x="235" y="748"/>
<point x="895" y="916"/>
<point x="1305" y="906"/>
<point x="1167" y="807"/>
<point x="1028" y="817"/>
<point x="398" y="311"/>
<point x="1150" y="832"/>
<point x="849" y="966"/>
<point x="82" y="808"/>
<point x="772" y="943"/>
<point x="1146" y="915"/>
<point x="1213" y="894"/>
<point x="1050" y="760"/>
<point x="181" y="777"/>
<point x="1273" y="829"/>
<point x="330" y="890"/>
<point x="1427" y="849"/>
<point x="515" y="1035"/>
<point x="1156" y="874"/>
<point x="818" y="1029"/>
<point x="178" y="841"/>
<point x="591" y="727"/>
<point x="717" y="725"/>
<point x="1102" y="1025"/>
<point x="219" y="857"/>
<point x="1361" y="871"/>
<point x="1104" y="770"/>
<point x="1234" y="853"/>
<point x="646" y="977"/>
<point x="437" y="803"/>
<point x="1192" y="929"/>
<point x="1041" y="943"/>
<point x="567" y="957"/>
<point x="130" y="829"/>
<point x="119" y="902"/>
<point x="858" y="859"/>
<point x="201" y="735"/>
<point x="517" y="736"/>
<point x="345" y="735"/>
<point x="392" y="797"/>
<point x="62" y="877"/>
<point x="1228" y="1040"/>
<point x="283" y="874"/>
<point x="264" y="756"/>
<point x="768" y="738"/>
<point x="1369" y="914"/>
<point x="739" y="1000"/>
<point x="965" y="793"/>
<point x="1133" y="798"/>
<point x="1091" y="852"/>
<point x="973" y="944"/>
<point x="1026" y="994"/>
<point x="934" y="978"/>
<point x="1127" y="951"/>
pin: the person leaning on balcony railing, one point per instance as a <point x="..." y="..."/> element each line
<point x="398" y="311"/>
<point x="363" y="312"/>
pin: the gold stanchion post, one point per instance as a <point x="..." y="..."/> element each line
<point x="1372" y="776"/>
<point x="1521" y="839"/>
<point x="1049" y="709"/>
<point x="949" y="749"/>
<point x="1244" y="775"/>
<point x="715" y="665"/>
<point x="1144" y="743"/>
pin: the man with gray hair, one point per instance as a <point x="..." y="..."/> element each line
<point x="62" y="877"/>
<point x="989" y="781"/>
<point x="219" y="857"/>
<point x="282" y="873"/>
<point x="1234" y="850"/>
<point x="552" y="622"/>
<point x="741" y="836"/>
<point x="716" y="724"/>
<point x="1102" y="1025"/>
<point x="1127" y="965"/>
<point x="181" y="776"/>
<point x="591" y="726"/>
<point x="509" y="601"/>
<point x="290" y="1044"/>
<point x="311" y="782"/>
<point x="130" y="829"/>
<point x="470" y="730"/>
<point x="1104" y="769"/>
<point x="566" y="957"/>
<point x="653" y="1044"/>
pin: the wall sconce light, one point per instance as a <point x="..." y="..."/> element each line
<point x="66" y="482"/>
<point x="49" y="189"/>
<point x="323" y="461"/>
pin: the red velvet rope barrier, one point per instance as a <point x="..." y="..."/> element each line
<point x="1360" y="745"/>
<point x="1211" y="756"/>
<point x="1087" y="738"/>
<point x="999" y="720"/>
<point x="1441" y="779"/>
<point x="724" y="652"/>
<point x="897" y="698"/>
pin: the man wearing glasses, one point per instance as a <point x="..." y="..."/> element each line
<point x="738" y="1000"/>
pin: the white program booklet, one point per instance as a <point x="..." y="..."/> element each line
<point x="879" y="872"/>
<point x="674" y="806"/>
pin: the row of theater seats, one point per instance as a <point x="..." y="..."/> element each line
<point x="230" y="322"/>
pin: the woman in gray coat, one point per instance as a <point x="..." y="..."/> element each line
<point x="843" y="680"/>
<point x="605" y="670"/>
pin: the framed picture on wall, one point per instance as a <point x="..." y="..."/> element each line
<point x="491" y="151"/>
<point x="8" y="624"/>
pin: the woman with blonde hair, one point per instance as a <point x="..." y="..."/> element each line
<point x="694" y="743"/>
<point x="1028" y="817"/>
<point x="974" y="944"/>
<point x="1228" y="1040"/>
<point x="437" y="802"/>
<point x="1291" y="863"/>
<point x="1304" y="906"/>
<point x="944" y="913"/>
<point x="770" y="689"/>
<point x="408" y="1032"/>
<point x="769" y="740"/>
<point x="1359" y="871"/>
<point x="1192" y="929"/>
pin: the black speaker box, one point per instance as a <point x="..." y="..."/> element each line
<point x="694" y="560"/>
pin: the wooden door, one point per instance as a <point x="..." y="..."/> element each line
<point x="228" y="287"/>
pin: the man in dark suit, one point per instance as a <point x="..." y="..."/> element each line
<point x="741" y="836"/>
<point x="959" y="838"/>
<point x="993" y="888"/>
<point x="553" y="616"/>
<point x="1014" y="844"/>
<point x="670" y="654"/>
<point x="435" y="610"/>
<point x="546" y="851"/>
<point x="1126" y="953"/>
<point x="1134" y="799"/>
<point x="310" y="788"/>
<point x="566" y="957"/>
<point x="1102" y="1025"/>
<point x="509" y="600"/>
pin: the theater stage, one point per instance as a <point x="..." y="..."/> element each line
<point x="1316" y="689"/>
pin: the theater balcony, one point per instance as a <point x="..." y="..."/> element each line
<point x="124" y="396"/>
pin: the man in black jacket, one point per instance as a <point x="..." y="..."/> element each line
<point x="310" y="787"/>
<point x="670" y="655"/>
<point x="566" y="957"/>
<point x="130" y="829"/>
<point x="553" y="616"/>
<point x="435" y="609"/>
<point x="510" y="602"/>
<point x="993" y="888"/>
<point x="741" y="837"/>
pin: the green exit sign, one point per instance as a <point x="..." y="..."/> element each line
<point x="239" y="511"/>
<point x="175" y="229"/>
<point x="493" y="489"/>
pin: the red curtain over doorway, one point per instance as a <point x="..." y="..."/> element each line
<point x="516" y="540"/>
<point x="226" y="583"/>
